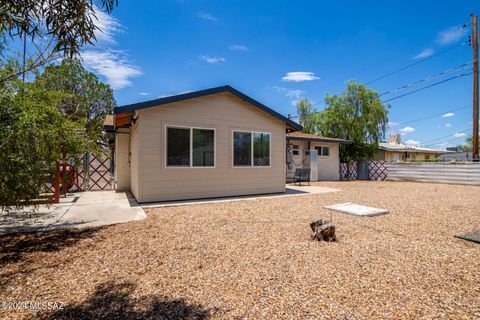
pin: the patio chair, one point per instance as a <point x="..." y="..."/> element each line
<point x="301" y="175"/>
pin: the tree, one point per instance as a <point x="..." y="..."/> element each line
<point x="64" y="26"/>
<point x="34" y="135"/>
<point x="87" y="100"/>
<point x="357" y="115"/>
<point x="306" y="115"/>
<point x="71" y="24"/>
<point x="467" y="146"/>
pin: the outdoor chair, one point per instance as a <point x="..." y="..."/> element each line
<point x="301" y="175"/>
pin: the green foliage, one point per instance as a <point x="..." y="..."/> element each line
<point x="357" y="115"/>
<point x="33" y="135"/>
<point x="467" y="146"/>
<point x="87" y="100"/>
<point x="306" y="116"/>
<point x="71" y="24"/>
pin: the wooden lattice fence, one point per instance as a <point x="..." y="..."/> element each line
<point x="377" y="170"/>
<point x="90" y="172"/>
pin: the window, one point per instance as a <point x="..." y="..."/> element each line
<point x="178" y="147"/>
<point x="295" y="149"/>
<point x="190" y="147"/>
<point x="427" y="157"/>
<point x="202" y="147"/>
<point x="251" y="149"/>
<point x="323" y="151"/>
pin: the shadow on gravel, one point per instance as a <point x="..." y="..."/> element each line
<point x="13" y="247"/>
<point x="116" y="301"/>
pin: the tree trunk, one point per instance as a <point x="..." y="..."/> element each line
<point x="323" y="231"/>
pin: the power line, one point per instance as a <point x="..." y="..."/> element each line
<point x="429" y="86"/>
<point x="464" y="66"/>
<point x="435" y="115"/>
<point x="415" y="63"/>
<point x="449" y="136"/>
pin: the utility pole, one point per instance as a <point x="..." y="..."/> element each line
<point x="475" y="86"/>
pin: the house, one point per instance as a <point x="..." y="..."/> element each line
<point x="395" y="150"/>
<point x="320" y="154"/>
<point x="210" y="143"/>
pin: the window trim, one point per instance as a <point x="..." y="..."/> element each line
<point x="251" y="146"/>
<point x="297" y="150"/>
<point x="191" y="166"/>
<point x="322" y="146"/>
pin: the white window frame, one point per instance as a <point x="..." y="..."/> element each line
<point x="251" y="146"/>
<point x="191" y="147"/>
<point x="321" y="147"/>
<point x="297" y="150"/>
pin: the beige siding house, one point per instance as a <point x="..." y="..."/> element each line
<point x="211" y="143"/>
<point x="325" y="164"/>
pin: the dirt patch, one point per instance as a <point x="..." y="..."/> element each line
<point x="255" y="259"/>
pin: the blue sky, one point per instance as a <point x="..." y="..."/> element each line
<point x="280" y="51"/>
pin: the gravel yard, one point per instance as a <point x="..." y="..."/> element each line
<point x="255" y="259"/>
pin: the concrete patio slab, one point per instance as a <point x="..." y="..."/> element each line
<point x="291" y="190"/>
<point x="77" y="210"/>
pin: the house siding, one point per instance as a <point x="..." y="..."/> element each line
<point x="328" y="167"/>
<point x="122" y="169"/>
<point x="223" y="112"/>
<point x="135" y="158"/>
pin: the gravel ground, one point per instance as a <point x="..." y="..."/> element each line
<point x="255" y="259"/>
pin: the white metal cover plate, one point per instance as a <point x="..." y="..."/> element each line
<point x="357" y="209"/>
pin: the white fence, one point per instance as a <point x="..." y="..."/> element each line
<point x="462" y="173"/>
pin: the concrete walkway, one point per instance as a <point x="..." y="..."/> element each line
<point x="290" y="191"/>
<point x="77" y="210"/>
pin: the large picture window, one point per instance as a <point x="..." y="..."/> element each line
<point x="251" y="149"/>
<point x="190" y="147"/>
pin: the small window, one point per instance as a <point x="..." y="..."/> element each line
<point x="323" y="151"/>
<point x="178" y="147"/>
<point x="242" y="149"/>
<point x="295" y="149"/>
<point x="251" y="149"/>
<point x="203" y="147"/>
<point x="190" y="147"/>
<point x="261" y="149"/>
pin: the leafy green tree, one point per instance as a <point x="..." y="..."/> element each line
<point x="467" y="146"/>
<point x="70" y="24"/>
<point x="306" y="115"/>
<point x="34" y="135"/>
<point x="357" y="115"/>
<point x="87" y="100"/>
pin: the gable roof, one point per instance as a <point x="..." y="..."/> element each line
<point x="314" y="137"/>
<point x="201" y="93"/>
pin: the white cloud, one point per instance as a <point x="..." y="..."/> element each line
<point x="206" y="16"/>
<point x="212" y="60"/>
<point x="412" y="142"/>
<point x="113" y="65"/>
<point x="392" y="124"/>
<point x="290" y="92"/>
<point x="107" y="25"/>
<point x="144" y="93"/>
<point x="459" y="134"/>
<point x="299" y="76"/>
<point x="451" y="35"/>
<point x="238" y="47"/>
<point x="407" y="130"/>
<point x="448" y="115"/>
<point x="448" y="125"/>
<point x="425" y="53"/>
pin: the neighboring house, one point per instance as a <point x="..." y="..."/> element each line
<point x="324" y="165"/>
<point x="395" y="150"/>
<point x="209" y="143"/>
<point x="455" y="156"/>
